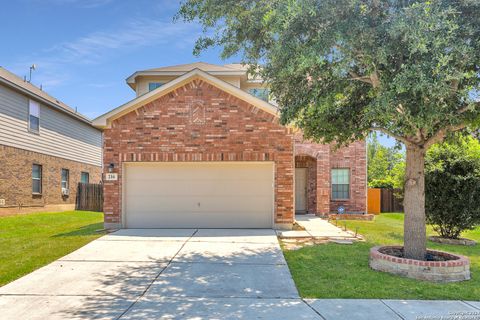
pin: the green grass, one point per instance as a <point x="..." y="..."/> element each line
<point x="28" y="242"/>
<point x="341" y="271"/>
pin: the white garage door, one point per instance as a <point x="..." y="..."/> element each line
<point x="198" y="195"/>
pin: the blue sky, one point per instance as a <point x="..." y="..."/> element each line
<point x="85" y="49"/>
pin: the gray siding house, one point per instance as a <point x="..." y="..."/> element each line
<point x="46" y="147"/>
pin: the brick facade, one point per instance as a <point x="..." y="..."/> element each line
<point x="16" y="177"/>
<point x="199" y="122"/>
<point x="321" y="159"/>
<point x="353" y="157"/>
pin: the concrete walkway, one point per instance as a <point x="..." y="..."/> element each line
<point x="188" y="274"/>
<point x="316" y="227"/>
<point x="162" y="274"/>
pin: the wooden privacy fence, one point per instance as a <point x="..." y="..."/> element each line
<point x="373" y="200"/>
<point x="390" y="203"/>
<point x="89" y="197"/>
<point x="382" y="200"/>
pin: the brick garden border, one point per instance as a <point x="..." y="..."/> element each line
<point x="456" y="269"/>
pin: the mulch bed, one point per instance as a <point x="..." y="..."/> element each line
<point x="459" y="242"/>
<point x="431" y="255"/>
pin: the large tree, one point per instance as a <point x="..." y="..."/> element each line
<point x="341" y="68"/>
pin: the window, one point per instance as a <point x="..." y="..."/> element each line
<point x="154" y="85"/>
<point x="34" y="116"/>
<point x="260" y="93"/>
<point x="85" y="177"/>
<point x="340" y="184"/>
<point x="37" y="179"/>
<point x="65" y="176"/>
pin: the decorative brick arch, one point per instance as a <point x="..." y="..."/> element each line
<point x="321" y="154"/>
<point x="304" y="150"/>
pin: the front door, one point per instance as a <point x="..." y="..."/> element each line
<point x="301" y="190"/>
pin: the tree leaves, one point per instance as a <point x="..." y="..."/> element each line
<point x="339" y="68"/>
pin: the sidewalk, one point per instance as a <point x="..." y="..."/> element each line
<point x="372" y="309"/>
<point x="316" y="227"/>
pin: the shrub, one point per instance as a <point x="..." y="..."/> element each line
<point x="452" y="187"/>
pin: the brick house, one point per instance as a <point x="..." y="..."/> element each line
<point x="46" y="148"/>
<point x="201" y="146"/>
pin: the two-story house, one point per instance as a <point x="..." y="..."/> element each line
<point x="201" y="146"/>
<point x="46" y="148"/>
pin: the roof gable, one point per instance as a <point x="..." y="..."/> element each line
<point x="104" y="120"/>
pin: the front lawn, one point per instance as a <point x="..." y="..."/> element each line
<point x="341" y="271"/>
<point x="28" y="242"/>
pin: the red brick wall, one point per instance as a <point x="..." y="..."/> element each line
<point x="16" y="178"/>
<point x="353" y="157"/>
<point x="199" y="122"/>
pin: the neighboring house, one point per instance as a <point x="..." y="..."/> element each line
<point x="46" y="147"/>
<point x="201" y="146"/>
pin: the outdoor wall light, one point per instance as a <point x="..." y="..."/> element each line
<point x="110" y="167"/>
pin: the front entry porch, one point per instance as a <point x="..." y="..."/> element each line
<point x="312" y="182"/>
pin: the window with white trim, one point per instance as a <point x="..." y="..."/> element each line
<point x="261" y="93"/>
<point x="340" y="184"/>
<point x="154" y="85"/>
<point x="36" y="179"/>
<point x="34" y="116"/>
<point x="65" y="178"/>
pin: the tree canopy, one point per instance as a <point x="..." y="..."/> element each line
<point x="339" y="68"/>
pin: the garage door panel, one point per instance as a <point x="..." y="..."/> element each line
<point x="195" y="220"/>
<point x="202" y="170"/>
<point x="197" y="188"/>
<point x="199" y="195"/>
<point x="211" y="203"/>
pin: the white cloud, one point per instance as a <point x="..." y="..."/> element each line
<point x="55" y="65"/>
<point x="95" y="47"/>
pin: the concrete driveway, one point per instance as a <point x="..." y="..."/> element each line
<point x="162" y="274"/>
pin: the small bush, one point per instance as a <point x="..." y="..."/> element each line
<point x="452" y="187"/>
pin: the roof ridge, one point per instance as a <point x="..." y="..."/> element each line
<point x="36" y="91"/>
<point x="192" y="64"/>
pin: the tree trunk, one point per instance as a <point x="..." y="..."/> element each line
<point x="415" y="242"/>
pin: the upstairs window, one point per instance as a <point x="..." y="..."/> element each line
<point x="36" y="179"/>
<point x="34" y="116"/>
<point x="65" y="178"/>
<point x="340" y="184"/>
<point x="261" y="93"/>
<point x="85" y="177"/>
<point x="154" y="85"/>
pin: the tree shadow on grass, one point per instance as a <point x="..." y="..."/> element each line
<point x="395" y="236"/>
<point x="88" y="230"/>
